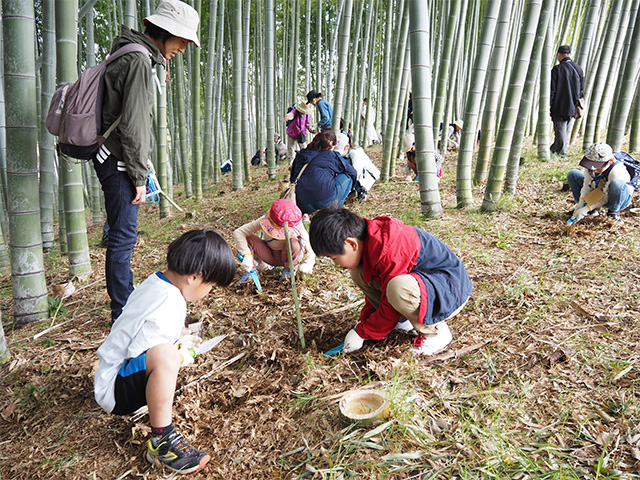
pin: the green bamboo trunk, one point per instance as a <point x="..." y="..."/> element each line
<point x="269" y="61"/>
<point x="543" y="124"/>
<point x="626" y="90"/>
<point x="71" y="178"/>
<point x="345" y="30"/>
<point x="430" y="204"/>
<point x="394" y="99"/>
<point x="179" y="99"/>
<point x="591" y="135"/>
<point x="236" y="111"/>
<point x="513" y="165"/>
<point x="472" y="107"/>
<point x="443" y="72"/>
<point x="516" y="84"/>
<point x="207" y="148"/>
<point x="48" y="184"/>
<point x="196" y="114"/>
<point x="27" y="263"/>
<point x="494" y="88"/>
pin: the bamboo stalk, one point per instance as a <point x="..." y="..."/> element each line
<point x="293" y="286"/>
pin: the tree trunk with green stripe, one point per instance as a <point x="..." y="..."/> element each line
<point x="48" y="182"/>
<point x="473" y="103"/>
<point x="345" y="31"/>
<point x="236" y="110"/>
<point x="495" y="181"/>
<point x="71" y="178"/>
<point x="430" y="205"/>
<point x="494" y="86"/>
<point x="27" y="263"/>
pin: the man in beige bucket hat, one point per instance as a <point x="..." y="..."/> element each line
<point x="122" y="165"/>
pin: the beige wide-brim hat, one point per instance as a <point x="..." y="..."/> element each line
<point x="177" y="18"/>
<point x="408" y="141"/>
<point x="303" y="107"/>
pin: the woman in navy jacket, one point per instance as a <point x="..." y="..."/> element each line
<point x="328" y="178"/>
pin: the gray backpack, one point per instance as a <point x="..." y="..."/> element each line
<point x="75" y="111"/>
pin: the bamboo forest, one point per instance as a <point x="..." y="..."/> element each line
<point x="322" y="239"/>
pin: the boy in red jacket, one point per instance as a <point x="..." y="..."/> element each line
<point x="410" y="279"/>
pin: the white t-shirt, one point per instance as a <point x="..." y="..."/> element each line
<point x="154" y="315"/>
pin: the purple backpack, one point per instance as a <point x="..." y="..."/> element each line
<point x="75" y="111"/>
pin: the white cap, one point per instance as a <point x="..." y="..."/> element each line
<point x="177" y="18"/>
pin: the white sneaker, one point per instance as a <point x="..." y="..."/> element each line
<point x="404" y="325"/>
<point x="434" y="344"/>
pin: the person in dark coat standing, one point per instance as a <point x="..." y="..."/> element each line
<point x="567" y="85"/>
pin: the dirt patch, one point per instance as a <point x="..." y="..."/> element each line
<point x="553" y="309"/>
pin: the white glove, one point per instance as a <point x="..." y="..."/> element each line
<point x="187" y="356"/>
<point x="247" y="262"/>
<point x="580" y="213"/>
<point x="352" y="342"/>
<point x="189" y="341"/>
<point x="305" y="268"/>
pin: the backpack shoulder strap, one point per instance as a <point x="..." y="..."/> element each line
<point x="129" y="47"/>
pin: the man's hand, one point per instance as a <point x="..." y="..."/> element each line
<point x="352" y="341"/>
<point x="580" y="213"/>
<point x="150" y="166"/>
<point x="141" y="195"/>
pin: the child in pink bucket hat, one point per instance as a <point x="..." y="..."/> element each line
<point x="262" y="242"/>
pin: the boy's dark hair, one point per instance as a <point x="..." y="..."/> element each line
<point x="202" y="252"/>
<point x="157" y="33"/>
<point x="323" y="141"/>
<point x="331" y="226"/>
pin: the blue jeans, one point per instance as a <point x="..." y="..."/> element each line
<point x="619" y="197"/>
<point x="122" y="218"/>
<point x="344" y="185"/>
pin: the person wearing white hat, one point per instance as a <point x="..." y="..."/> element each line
<point x="298" y="124"/>
<point x="602" y="182"/>
<point x="122" y="163"/>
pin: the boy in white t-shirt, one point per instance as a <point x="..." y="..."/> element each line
<point x="139" y="361"/>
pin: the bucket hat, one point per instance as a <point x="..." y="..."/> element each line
<point x="408" y="141"/>
<point x="177" y="18"/>
<point x="596" y="156"/>
<point x="303" y="107"/>
<point x="281" y="211"/>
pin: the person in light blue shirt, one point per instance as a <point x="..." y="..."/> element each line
<point x="324" y="107"/>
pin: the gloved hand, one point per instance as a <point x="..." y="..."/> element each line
<point x="188" y="356"/>
<point x="352" y="341"/>
<point x="247" y="262"/>
<point x="580" y="213"/>
<point x="189" y="341"/>
<point x="305" y="268"/>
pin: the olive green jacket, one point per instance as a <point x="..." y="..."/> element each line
<point x="128" y="90"/>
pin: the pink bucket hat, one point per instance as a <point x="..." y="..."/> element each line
<point x="281" y="211"/>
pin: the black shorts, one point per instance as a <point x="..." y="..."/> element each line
<point x="131" y="386"/>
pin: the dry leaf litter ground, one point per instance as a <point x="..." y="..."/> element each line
<point x="543" y="367"/>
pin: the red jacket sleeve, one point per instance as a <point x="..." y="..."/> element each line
<point x="396" y="257"/>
